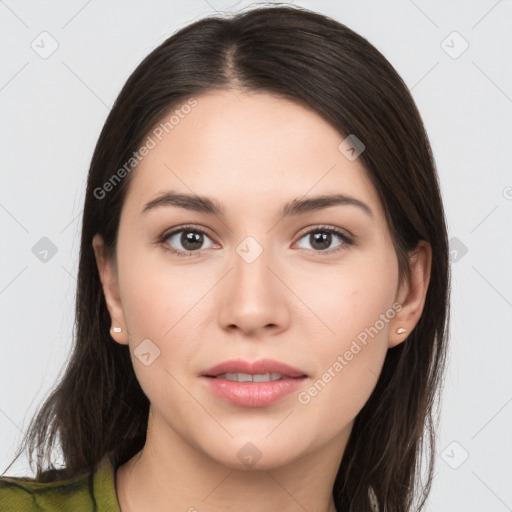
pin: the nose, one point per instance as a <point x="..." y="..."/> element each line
<point x="253" y="298"/>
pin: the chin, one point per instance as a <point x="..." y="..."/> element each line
<point x="255" y="454"/>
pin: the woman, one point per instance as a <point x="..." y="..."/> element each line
<point x="263" y="285"/>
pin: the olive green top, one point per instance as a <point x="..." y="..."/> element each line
<point x="94" y="492"/>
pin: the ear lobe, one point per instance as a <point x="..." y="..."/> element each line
<point x="412" y="293"/>
<point x="109" y="283"/>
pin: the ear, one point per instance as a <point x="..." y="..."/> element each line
<point x="412" y="293"/>
<point x="109" y="282"/>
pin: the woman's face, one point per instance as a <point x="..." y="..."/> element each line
<point x="269" y="278"/>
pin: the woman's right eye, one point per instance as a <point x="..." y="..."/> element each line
<point x="190" y="240"/>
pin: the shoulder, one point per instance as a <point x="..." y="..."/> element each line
<point x="94" y="491"/>
<point x="25" y="494"/>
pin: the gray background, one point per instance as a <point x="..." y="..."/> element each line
<point x="53" y="109"/>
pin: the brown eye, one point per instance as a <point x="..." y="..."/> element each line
<point x="191" y="240"/>
<point x="185" y="241"/>
<point x="321" y="240"/>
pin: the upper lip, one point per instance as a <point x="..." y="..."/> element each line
<point x="254" y="367"/>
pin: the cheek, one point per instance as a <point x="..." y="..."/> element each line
<point x="155" y="294"/>
<point x="356" y="306"/>
<point x="167" y="305"/>
<point x="157" y="309"/>
<point x="347" y="372"/>
<point x="351" y="297"/>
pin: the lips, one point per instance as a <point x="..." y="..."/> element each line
<point x="262" y="366"/>
<point x="252" y="383"/>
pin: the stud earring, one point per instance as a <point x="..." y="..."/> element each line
<point x="117" y="329"/>
<point x="401" y="330"/>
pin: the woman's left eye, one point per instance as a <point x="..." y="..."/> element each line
<point x="192" y="240"/>
<point x="321" y="239"/>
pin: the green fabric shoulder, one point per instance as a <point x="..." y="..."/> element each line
<point x="86" y="492"/>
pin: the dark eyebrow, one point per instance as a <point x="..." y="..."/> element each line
<point x="189" y="202"/>
<point x="298" y="206"/>
<point x="204" y="204"/>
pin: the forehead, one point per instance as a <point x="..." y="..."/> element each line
<point x="251" y="150"/>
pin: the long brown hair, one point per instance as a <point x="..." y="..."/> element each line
<point x="98" y="406"/>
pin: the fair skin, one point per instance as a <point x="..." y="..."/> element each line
<point x="251" y="153"/>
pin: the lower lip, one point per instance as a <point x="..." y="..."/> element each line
<point x="253" y="394"/>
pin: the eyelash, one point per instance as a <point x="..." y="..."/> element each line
<point x="347" y="241"/>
